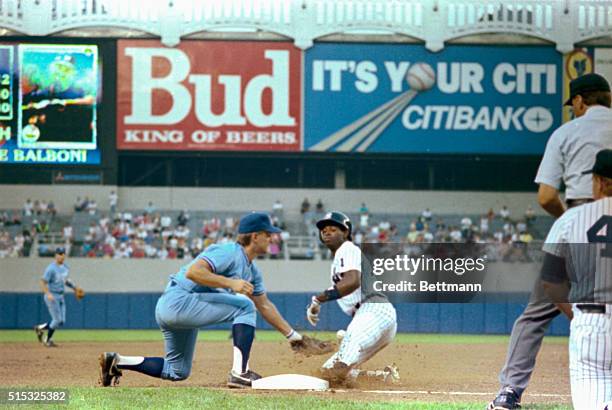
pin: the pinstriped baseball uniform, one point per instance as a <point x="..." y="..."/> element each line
<point x="590" y="270"/>
<point x="374" y="324"/>
<point x="570" y="150"/>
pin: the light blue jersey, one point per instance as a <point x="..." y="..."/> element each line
<point x="229" y="260"/>
<point x="55" y="275"/>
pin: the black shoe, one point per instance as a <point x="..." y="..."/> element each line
<point x="39" y="334"/>
<point x="50" y="343"/>
<point x="506" y="400"/>
<point x="109" y="373"/>
<point x="241" y="381"/>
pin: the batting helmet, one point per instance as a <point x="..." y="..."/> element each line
<point x="338" y="219"/>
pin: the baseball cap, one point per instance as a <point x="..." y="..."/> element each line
<point x="603" y="164"/>
<point x="60" y="250"/>
<point x="256" y="222"/>
<point x="585" y="83"/>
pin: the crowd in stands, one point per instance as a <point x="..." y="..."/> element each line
<point x="151" y="233"/>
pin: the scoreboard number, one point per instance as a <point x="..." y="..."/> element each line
<point x="6" y="82"/>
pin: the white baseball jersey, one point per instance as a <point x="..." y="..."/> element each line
<point x="589" y="268"/>
<point x="374" y="323"/>
<point x="347" y="257"/>
<point x="572" y="148"/>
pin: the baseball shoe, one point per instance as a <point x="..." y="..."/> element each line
<point x="109" y="372"/>
<point x="50" y="343"/>
<point x="337" y="375"/>
<point x="506" y="400"/>
<point x="240" y="381"/>
<point x="392" y="375"/>
<point x="40" y="334"/>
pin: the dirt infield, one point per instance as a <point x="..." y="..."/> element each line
<point x="429" y="372"/>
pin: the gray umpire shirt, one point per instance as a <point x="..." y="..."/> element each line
<point x="571" y="150"/>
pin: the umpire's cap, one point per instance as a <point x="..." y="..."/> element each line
<point x="586" y="83"/>
<point x="60" y="251"/>
<point x="338" y="219"/>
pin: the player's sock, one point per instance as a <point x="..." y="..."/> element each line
<point x="43" y="326"/>
<point x="50" y="334"/>
<point x="243" y="340"/>
<point x="151" y="366"/>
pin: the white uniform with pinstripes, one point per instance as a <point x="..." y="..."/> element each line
<point x="374" y="324"/>
<point x="590" y="347"/>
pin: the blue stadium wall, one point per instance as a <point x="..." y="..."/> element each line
<point x="137" y="311"/>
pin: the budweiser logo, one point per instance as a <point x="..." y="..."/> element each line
<point x="242" y="98"/>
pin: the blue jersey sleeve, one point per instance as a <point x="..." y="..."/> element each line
<point x="257" y="281"/>
<point x="48" y="275"/>
<point x="219" y="258"/>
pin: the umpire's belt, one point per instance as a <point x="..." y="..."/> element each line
<point x="591" y="308"/>
<point x="577" y="201"/>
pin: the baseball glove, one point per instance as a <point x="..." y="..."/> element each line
<point x="312" y="346"/>
<point x="79" y="293"/>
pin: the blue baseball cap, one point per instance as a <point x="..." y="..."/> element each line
<point x="257" y="222"/>
<point x="60" y="251"/>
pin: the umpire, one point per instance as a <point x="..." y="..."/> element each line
<point x="570" y="149"/>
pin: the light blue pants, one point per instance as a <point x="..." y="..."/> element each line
<point x="180" y="313"/>
<point x="57" y="310"/>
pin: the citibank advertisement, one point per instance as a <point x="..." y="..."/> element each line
<point x="404" y="98"/>
<point x="209" y="95"/>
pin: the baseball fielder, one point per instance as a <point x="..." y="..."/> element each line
<point x="53" y="285"/>
<point x="570" y="149"/>
<point x="222" y="284"/>
<point x="579" y="249"/>
<point x="374" y="321"/>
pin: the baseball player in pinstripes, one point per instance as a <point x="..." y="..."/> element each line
<point x="374" y="321"/>
<point x="53" y="285"/>
<point x="570" y="149"/>
<point x="579" y="249"/>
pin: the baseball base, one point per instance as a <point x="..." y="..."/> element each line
<point x="290" y="382"/>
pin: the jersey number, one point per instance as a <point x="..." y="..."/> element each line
<point x="594" y="237"/>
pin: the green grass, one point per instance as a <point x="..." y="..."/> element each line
<point x="262" y="335"/>
<point x="193" y="397"/>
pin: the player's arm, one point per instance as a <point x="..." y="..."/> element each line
<point x="201" y="273"/>
<point x="350" y="282"/>
<point x="68" y="282"/>
<point x="555" y="282"/>
<point x="271" y="314"/>
<point x="550" y="201"/>
<point x="44" y="286"/>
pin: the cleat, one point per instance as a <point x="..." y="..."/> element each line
<point x="392" y="374"/>
<point x="506" y="400"/>
<point x="50" y="343"/>
<point x="109" y="372"/>
<point x="39" y="334"/>
<point x="241" y="381"/>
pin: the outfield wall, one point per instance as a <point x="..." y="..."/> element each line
<point x="122" y="295"/>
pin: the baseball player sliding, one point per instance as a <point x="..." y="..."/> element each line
<point x="579" y="250"/>
<point x="374" y="321"/>
<point x="222" y="284"/>
<point x="53" y="285"/>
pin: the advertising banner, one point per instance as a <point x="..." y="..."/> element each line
<point x="402" y="98"/>
<point x="209" y="95"/>
<point x="48" y="103"/>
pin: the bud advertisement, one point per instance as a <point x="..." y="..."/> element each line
<point x="209" y="95"/>
<point x="404" y="98"/>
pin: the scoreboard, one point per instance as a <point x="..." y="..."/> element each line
<point x="48" y="104"/>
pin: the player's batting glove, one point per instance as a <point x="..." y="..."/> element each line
<point x="312" y="311"/>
